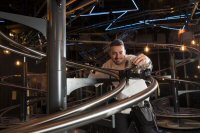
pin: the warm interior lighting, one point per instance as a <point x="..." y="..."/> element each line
<point x="146" y="49"/>
<point x="198" y="66"/>
<point x="18" y="63"/>
<point x="11" y="34"/>
<point x="193" y="42"/>
<point x="181" y="31"/>
<point x="6" y="52"/>
<point x="183" y="48"/>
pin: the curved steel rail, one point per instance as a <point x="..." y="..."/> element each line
<point x="178" y="80"/>
<point x="21" y="46"/>
<point x="5" y="110"/>
<point x="73" y="64"/>
<point x="19" y="52"/>
<point x="97" y="114"/>
<point x="21" y="87"/>
<point x="81" y="107"/>
<point x="166" y="111"/>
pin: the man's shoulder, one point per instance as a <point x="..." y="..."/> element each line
<point x="130" y="56"/>
<point x="107" y="64"/>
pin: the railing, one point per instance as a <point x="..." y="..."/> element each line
<point x="62" y="121"/>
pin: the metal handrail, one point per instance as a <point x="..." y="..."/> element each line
<point x="21" y="46"/>
<point x="94" y="115"/>
<point x="79" y="108"/>
<point x="112" y="74"/>
<point x="21" y="87"/>
<point x="21" y="53"/>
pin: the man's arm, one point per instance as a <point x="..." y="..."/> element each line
<point x="142" y="61"/>
<point x="99" y="74"/>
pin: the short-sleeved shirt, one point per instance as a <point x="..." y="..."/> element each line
<point x="127" y="64"/>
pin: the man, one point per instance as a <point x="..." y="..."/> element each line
<point x="119" y="60"/>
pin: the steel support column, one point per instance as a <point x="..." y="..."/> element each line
<point x="56" y="54"/>
<point x="23" y="97"/>
<point x="173" y="83"/>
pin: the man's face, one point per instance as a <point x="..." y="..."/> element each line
<point x="117" y="54"/>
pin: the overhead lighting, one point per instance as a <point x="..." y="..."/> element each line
<point x="193" y="42"/>
<point x="198" y="67"/>
<point x="18" y="63"/>
<point x="170" y="28"/>
<point x="149" y="21"/>
<point x="115" y="11"/>
<point x="11" y="34"/>
<point x="92" y="13"/>
<point x="183" y="48"/>
<point x="181" y="31"/>
<point x="7" y="52"/>
<point x="2" y="21"/>
<point x="126" y="26"/>
<point x="146" y="49"/>
<point x="115" y="20"/>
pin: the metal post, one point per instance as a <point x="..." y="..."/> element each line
<point x="173" y="83"/>
<point x="158" y="90"/>
<point x="23" y="98"/>
<point x="186" y="85"/>
<point x="56" y="55"/>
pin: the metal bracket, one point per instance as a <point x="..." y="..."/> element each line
<point x="36" y="23"/>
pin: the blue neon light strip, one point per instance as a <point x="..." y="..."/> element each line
<point x="125" y="26"/>
<point x="119" y="11"/>
<point x="152" y="20"/>
<point x="116" y="20"/>
<point x="91" y="13"/>
<point x="170" y="28"/>
<point x="92" y="9"/>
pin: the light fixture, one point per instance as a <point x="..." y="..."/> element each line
<point x="193" y="42"/>
<point x="11" y="34"/>
<point x="181" y="31"/>
<point x="146" y="49"/>
<point x="198" y="67"/>
<point x="7" y="52"/>
<point x="18" y="63"/>
<point x="183" y="48"/>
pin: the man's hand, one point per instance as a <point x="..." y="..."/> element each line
<point x="140" y="60"/>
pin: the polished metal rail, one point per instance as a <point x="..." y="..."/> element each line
<point x="73" y="64"/>
<point x="19" y="52"/>
<point x="21" y="46"/>
<point x="77" y="109"/>
<point x="21" y="87"/>
<point x="63" y="120"/>
<point x="57" y="125"/>
<point x="94" y="115"/>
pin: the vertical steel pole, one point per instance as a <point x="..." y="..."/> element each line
<point x="23" y="98"/>
<point x="56" y="36"/>
<point x="173" y="76"/>
<point x="186" y="85"/>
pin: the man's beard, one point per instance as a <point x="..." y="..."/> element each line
<point x="118" y="62"/>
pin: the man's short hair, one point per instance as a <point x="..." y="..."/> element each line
<point x="117" y="42"/>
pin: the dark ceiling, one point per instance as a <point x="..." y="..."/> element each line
<point x="112" y="15"/>
<point x="103" y="20"/>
